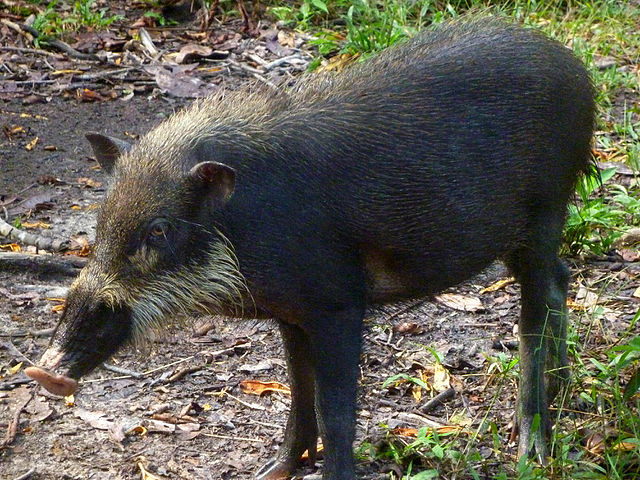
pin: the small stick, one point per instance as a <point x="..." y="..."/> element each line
<point x="253" y="406"/>
<point x="12" y="429"/>
<point x="45" y="332"/>
<point x="122" y="371"/>
<point x="26" y="475"/>
<point x="228" y="437"/>
<point x="184" y="372"/>
<point x="438" y="400"/>
<point x="42" y="243"/>
<point x="36" y="51"/>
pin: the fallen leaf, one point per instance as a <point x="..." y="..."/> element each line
<point x="498" y="285"/>
<point x="146" y="475"/>
<point x="87" y="95"/>
<point x="50" y="148"/>
<point x="460" y="302"/>
<point x="32" y="144"/>
<point x="405" y="432"/>
<point x="193" y="52"/>
<point x="258" y="367"/>
<point x="319" y="449"/>
<point x="626" y="446"/>
<point x="441" y="378"/>
<point x="88" y="182"/>
<point x="95" y="419"/>
<point x="36" y="225"/>
<point x="256" y="387"/>
<point x="15" y="369"/>
<point x="11" y="247"/>
<point x="409" y="328"/>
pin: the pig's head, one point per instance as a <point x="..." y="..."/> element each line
<point x="153" y="258"/>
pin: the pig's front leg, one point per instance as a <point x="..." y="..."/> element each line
<point x="302" y="429"/>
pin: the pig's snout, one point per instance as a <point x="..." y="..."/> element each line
<point x="45" y="374"/>
<point x="56" y="384"/>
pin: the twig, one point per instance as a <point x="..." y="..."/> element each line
<point x="12" y="428"/>
<point x="228" y="437"/>
<point x="182" y="373"/>
<point x="168" y="365"/>
<point x="439" y="399"/>
<point x="265" y="81"/>
<point x="122" y="371"/>
<point x="26" y="475"/>
<point x="253" y="406"/>
<point x="42" y="243"/>
<point x="36" y="51"/>
<point x="34" y="333"/>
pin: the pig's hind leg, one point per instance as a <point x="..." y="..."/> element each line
<point x="543" y="329"/>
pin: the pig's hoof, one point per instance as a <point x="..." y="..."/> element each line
<point x="56" y="384"/>
<point x="275" y="469"/>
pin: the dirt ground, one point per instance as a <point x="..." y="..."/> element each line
<point x="176" y="408"/>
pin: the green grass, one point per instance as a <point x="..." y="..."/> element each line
<point x="61" y="17"/>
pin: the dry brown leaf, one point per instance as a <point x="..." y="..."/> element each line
<point x="146" y="475"/>
<point x="192" y="52"/>
<point x="319" y="449"/>
<point x="625" y="446"/>
<point x="441" y="378"/>
<point x="408" y="328"/>
<point x="405" y="432"/>
<point x="15" y="369"/>
<point x="32" y="144"/>
<point x="460" y="302"/>
<point x="256" y="387"/>
<point x="87" y="95"/>
<point x="498" y="285"/>
<point x="29" y="225"/>
<point x="88" y="182"/>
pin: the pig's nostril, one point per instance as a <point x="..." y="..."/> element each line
<point x="56" y="384"/>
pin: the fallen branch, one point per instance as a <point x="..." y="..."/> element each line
<point x="55" y="264"/>
<point x="26" y="238"/>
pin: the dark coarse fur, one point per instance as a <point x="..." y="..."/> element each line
<point x="396" y="178"/>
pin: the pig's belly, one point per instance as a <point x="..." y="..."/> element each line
<point x="390" y="278"/>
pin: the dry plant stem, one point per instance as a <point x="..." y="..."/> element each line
<point x="35" y="51"/>
<point x="184" y="372"/>
<point x="12" y="429"/>
<point x="41" y="243"/>
<point x="122" y="371"/>
<point x="439" y="399"/>
<point x="26" y="475"/>
<point x="31" y="333"/>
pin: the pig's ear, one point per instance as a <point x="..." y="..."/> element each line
<point x="218" y="179"/>
<point x="107" y="149"/>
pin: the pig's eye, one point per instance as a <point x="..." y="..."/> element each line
<point x="157" y="233"/>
